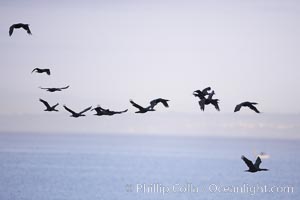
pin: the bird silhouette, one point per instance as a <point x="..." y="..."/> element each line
<point x="204" y="101"/>
<point x="75" y="114"/>
<point x="201" y="93"/>
<point x="253" y="167"/>
<point x="38" y="70"/>
<point x="101" y="111"/>
<point x="48" y="107"/>
<point x="246" y="104"/>
<point x="141" y="109"/>
<point x="17" y="26"/>
<point x="55" y="89"/>
<point x="154" y="102"/>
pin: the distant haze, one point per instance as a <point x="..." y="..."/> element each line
<point x="113" y="51"/>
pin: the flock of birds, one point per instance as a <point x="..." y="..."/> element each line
<point x="205" y="98"/>
<point x="201" y="94"/>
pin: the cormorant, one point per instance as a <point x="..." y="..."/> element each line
<point x="75" y="114"/>
<point x="204" y="101"/>
<point x="141" y="109"/>
<point x="48" y="107"/>
<point x="101" y="111"/>
<point x="17" y="26"/>
<point x="38" y="70"/>
<point x="154" y="102"/>
<point x="253" y="167"/>
<point x="55" y="89"/>
<point x="246" y="104"/>
<point x="201" y="94"/>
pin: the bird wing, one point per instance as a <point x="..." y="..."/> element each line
<point x="216" y="104"/>
<point x="55" y="105"/>
<point x="26" y="27"/>
<point x="237" y="107"/>
<point x="11" y="30"/>
<point x="202" y="104"/>
<point x="248" y="162"/>
<point x="154" y="102"/>
<point x="159" y="100"/>
<point x="45" y="103"/>
<point x="47" y="71"/>
<point x="257" y="162"/>
<point x="252" y="107"/>
<point x="71" y="111"/>
<point x="34" y="70"/>
<point x="87" y="109"/>
<point x="199" y="94"/>
<point x="136" y="105"/>
<point x="97" y="109"/>
<point x="164" y="102"/>
<point x="205" y="90"/>
<point x="64" y="87"/>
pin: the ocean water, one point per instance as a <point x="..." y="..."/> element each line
<point x="121" y="167"/>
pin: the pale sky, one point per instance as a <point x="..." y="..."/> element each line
<point x="113" y="51"/>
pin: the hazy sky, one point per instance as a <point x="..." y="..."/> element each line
<point x="113" y="51"/>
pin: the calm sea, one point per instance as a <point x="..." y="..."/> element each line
<point x="121" y="167"/>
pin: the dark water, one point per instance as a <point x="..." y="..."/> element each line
<point x="89" y="167"/>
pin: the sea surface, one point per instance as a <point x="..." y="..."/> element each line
<point x="128" y="167"/>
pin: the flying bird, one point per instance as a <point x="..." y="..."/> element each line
<point x="38" y="70"/>
<point x="75" y="114"/>
<point x="55" y="89"/>
<point x="17" y="26"/>
<point x="214" y="102"/>
<point x="154" y="102"/>
<point x="246" y="104"/>
<point x="141" y="109"/>
<point x="201" y="93"/>
<point x="253" y="167"/>
<point x="101" y="111"/>
<point x="48" y="107"/>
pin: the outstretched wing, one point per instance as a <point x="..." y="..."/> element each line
<point x="45" y="103"/>
<point x="257" y="162"/>
<point x="11" y="30"/>
<point x="26" y="27"/>
<point x="216" y="104"/>
<point x="48" y="71"/>
<point x="198" y="93"/>
<point x="159" y="100"/>
<point x="87" y="109"/>
<point x="64" y="87"/>
<point x="55" y="105"/>
<point x="34" y="70"/>
<point x="205" y="90"/>
<point x="252" y="107"/>
<point x="136" y="105"/>
<point x="71" y="111"/>
<point x="117" y="112"/>
<point x="124" y="111"/>
<point x="237" y="107"/>
<point x="248" y="162"/>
